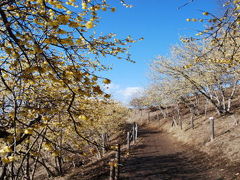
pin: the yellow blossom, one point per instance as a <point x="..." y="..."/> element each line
<point x="69" y="12"/>
<point x="5" y="149"/>
<point x="28" y="131"/>
<point x="82" y="117"/>
<point x="205" y="13"/>
<point x="8" y="159"/>
<point x="84" y="5"/>
<point x="89" y="24"/>
<point x="106" y="81"/>
<point x="55" y="153"/>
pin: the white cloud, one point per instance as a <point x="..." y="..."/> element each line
<point x="124" y="95"/>
<point x="130" y="91"/>
<point x="121" y="94"/>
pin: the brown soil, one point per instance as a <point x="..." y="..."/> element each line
<point x="160" y="156"/>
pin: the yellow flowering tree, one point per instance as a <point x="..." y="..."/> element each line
<point x="197" y="71"/>
<point x="50" y="94"/>
<point x="221" y="31"/>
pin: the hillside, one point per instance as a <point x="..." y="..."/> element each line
<point x="225" y="145"/>
<point x="159" y="155"/>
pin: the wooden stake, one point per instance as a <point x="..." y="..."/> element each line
<point x="112" y="170"/>
<point x="212" y="128"/>
<point x="133" y="133"/>
<point x="118" y="160"/>
<point x="149" y="116"/>
<point x="136" y="131"/>
<point x="181" y="125"/>
<point x="128" y="141"/>
<point x="192" y="121"/>
<point x="103" y="143"/>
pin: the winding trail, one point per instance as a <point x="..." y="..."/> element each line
<point x="158" y="156"/>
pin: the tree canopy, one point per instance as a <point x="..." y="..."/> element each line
<point x="51" y="98"/>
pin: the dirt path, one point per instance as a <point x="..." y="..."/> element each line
<point x="158" y="156"/>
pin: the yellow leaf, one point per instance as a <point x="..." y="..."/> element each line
<point x="28" y="131"/>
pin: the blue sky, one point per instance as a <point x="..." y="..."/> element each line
<point x="161" y="25"/>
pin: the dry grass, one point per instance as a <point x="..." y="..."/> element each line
<point x="227" y="139"/>
<point x="98" y="169"/>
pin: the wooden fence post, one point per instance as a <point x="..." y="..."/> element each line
<point x="181" y="125"/>
<point x="133" y="133"/>
<point x="192" y="120"/>
<point x="149" y="116"/>
<point x="103" y="143"/>
<point x="112" y="170"/>
<point x="174" y="123"/>
<point x="212" y="128"/>
<point x="136" y="131"/>
<point x="128" y="141"/>
<point x="118" y="161"/>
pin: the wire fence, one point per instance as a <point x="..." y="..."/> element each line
<point x="115" y="163"/>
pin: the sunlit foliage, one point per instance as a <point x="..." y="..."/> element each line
<point x="51" y="99"/>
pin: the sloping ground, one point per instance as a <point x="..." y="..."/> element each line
<point x="98" y="169"/>
<point x="227" y="141"/>
<point x="164" y="152"/>
<point x="160" y="156"/>
<point x="227" y="137"/>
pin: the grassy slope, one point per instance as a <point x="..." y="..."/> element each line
<point x="227" y="141"/>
